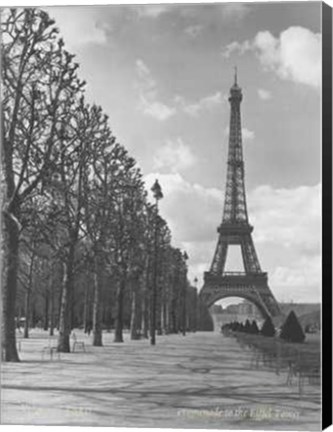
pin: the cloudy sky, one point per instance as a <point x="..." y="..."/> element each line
<point x="163" y="73"/>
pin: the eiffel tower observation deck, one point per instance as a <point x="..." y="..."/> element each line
<point x="235" y="229"/>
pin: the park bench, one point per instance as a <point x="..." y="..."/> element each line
<point x="77" y="343"/>
<point x="51" y="350"/>
<point x="306" y="367"/>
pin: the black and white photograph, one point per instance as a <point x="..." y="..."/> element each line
<point x="161" y="215"/>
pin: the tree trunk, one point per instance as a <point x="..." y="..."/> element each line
<point x="9" y="287"/>
<point x="65" y="320"/>
<point x="164" y="317"/>
<point x="72" y="313"/>
<point x="145" y="301"/>
<point x="51" y="313"/>
<point x="27" y="313"/>
<point x="46" y="311"/>
<point x="184" y="312"/>
<point x="159" y="315"/>
<point x="118" y="336"/>
<point x="61" y="282"/>
<point x="153" y="304"/>
<point x="135" y="312"/>
<point x="97" y="327"/>
<point x="193" y="322"/>
<point x="18" y="320"/>
<point x="28" y="298"/>
<point x="174" y="324"/>
<point x="144" y="315"/>
<point x="86" y="309"/>
<point x="33" y="316"/>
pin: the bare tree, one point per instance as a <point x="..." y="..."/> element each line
<point x="79" y="144"/>
<point x="37" y="75"/>
<point x="98" y="212"/>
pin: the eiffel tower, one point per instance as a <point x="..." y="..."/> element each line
<point x="235" y="229"/>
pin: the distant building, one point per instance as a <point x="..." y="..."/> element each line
<point x="216" y="309"/>
<point x="232" y="309"/>
<point x="235" y="312"/>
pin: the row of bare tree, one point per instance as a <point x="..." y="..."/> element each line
<point x="81" y="244"/>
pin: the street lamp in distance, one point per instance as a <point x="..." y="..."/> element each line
<point x="196" y="305"/>
<point x="185" y="258"/>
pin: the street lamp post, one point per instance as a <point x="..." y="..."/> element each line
<point x="195" y="304"/>
<point x="185" y="257"/>
<point x="157" y="193"/>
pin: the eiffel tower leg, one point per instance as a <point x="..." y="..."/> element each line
<point x="250" y="259"/>
<point x="270" y="302"/>
<point x="220" y="257"/>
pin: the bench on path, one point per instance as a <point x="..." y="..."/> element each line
<point x="77" y="343"/>
<point x="50" y="350"/>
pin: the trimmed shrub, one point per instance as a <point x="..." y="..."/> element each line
<point x="291" y="330"/>
<point x="254" y="328"/>
<point x="268" y="328"/>
<point x="247" y="327"/>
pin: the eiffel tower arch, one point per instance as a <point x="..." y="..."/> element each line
<point x="235" y="229"/>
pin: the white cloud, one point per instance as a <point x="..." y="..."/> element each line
<point x="151" y="11"/>
<point x="79" y="26"/>
<point x="174" y="156"/>
<point x="204" y="104"/>
<point x="288" y="221"/>
<point x="200" y="255"/>
<point x="264" y="94"/>
<point x="145" y="75"/>
<point x="146" y="84"/>
<point x="150" y="104"/>
<point x="247" y="134"/>
<point x="156" y="109"/>
<point x="147" y="87"/>
<point x="289" y="217"/>
<point x="189" y="208"/>
<point x="193" y="31"/>
<point x="294" y="55"/>
<point x="234" y="11"/>
<point x="236" y="47"/>
<point x="300" y="282"/>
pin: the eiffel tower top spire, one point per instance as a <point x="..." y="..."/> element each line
<point x="235" y="209"/>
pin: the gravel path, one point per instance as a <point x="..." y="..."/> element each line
<point x="202" y="380"/>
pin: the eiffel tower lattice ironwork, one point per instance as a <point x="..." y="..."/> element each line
<point x="235" y="229"/>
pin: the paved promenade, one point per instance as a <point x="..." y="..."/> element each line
<point x="202" y="380"/>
